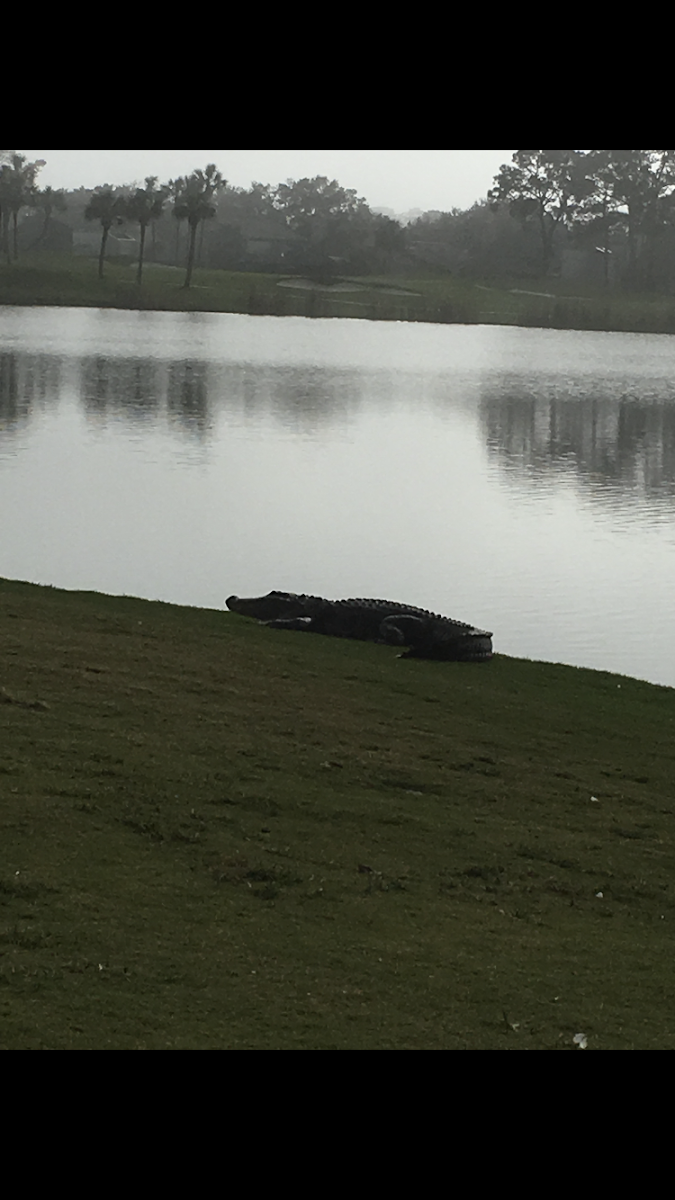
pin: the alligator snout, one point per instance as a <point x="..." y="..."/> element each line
<point x="274" y="607"/>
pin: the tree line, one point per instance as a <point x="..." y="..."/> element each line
<point x="18" y="188"/>
<point x="193" y="200"/>
<point x="614" y="197"/>
<point x="616" y="208"/>
<point x="322" y="225"/>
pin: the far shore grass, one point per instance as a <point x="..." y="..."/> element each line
<point x="443" y="299"/>
<point x="218" y="836"/>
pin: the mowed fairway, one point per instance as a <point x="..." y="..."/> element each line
<point x="217" y="836"/>
<point x="430" y="297"/>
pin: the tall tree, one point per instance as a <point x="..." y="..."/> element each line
<point x="11" y="189"/>
<point x="306" y="201"/>
<point x="108" y="206"/>
<point x="630" y="172"/>
<point x="645" y="185"/>
<point x="261" y="200"/>
<point x="545" y="186"/>
<point x="631" y="192"/>
<point x="323" y="215"/>
<point x="195" y="203"/>
<point x="4" y="228"/>
<point x="175" y="190"/>
<point x="143" y="207"/>
<point x="18" y="183"/>
<point x="601" y="211"/>
<point x="48" y="201"/>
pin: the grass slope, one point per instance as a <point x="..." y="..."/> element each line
<point x="66" y="281"/>
<point x="217" y="836"/>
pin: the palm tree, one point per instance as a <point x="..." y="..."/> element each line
<point x="4" y="217"/>
<point x="144" y="207"/>
<point x="175" y="187"/>
<point x="49" y="201"/>
<point x="109" y="207"/>
<point x="4" y="159"/>
<point x="195" y="203"/>
<point x="18" y="182"/>
<point x="11" y="191"/>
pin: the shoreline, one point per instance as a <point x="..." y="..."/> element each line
<point x="77" y="593"/>
<point x="440" y="300"/>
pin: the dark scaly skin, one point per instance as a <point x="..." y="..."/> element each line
<point x="428" y="635"/>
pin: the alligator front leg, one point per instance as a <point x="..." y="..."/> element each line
<point x="402" y="630"/>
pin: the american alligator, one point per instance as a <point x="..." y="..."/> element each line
<point x="426" y="634"/>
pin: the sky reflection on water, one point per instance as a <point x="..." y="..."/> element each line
<point x="520" y="479"/>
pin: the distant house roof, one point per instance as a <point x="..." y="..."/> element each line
<point x="89" y="242"/>
<point x="267" y="229"/>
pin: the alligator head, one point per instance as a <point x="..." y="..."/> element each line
<point x="277" y="606"/>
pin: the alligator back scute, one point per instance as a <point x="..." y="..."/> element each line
<point x="389" y="607"/>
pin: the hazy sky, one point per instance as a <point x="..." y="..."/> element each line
<point x="398" y="179"/>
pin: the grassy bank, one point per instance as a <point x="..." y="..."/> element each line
<point x="52" y="280"/>
<point x="214" y="835"/>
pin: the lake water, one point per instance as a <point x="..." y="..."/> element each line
<point x="522" y="480"/>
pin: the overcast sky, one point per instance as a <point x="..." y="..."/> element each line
<point x="398" y="179"/>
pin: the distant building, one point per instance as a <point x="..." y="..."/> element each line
<point x="87" y="244"/>
<point x="123" y="247"/>
<point x="407" y="218"/>
<point x="269" y="241"/>
<point x="58" y="238"/>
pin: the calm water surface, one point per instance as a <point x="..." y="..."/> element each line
<point x="518" y="479"/>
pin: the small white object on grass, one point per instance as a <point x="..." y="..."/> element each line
<point x="581" y="1041"/>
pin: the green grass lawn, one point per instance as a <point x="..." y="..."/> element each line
<point x="213" y="835"/>
<point x="67" y="281"/>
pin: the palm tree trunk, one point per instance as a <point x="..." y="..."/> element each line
<point x="547" y="238"/>
<point x="101" y="259"/>
<point x="5" y="237"/>
<point x="15" y="216"/>
<point x="191" y="255"/>
<point x="43" y="232"/>
<point x="139" y="280"/>
<point x="632" y="245"/>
